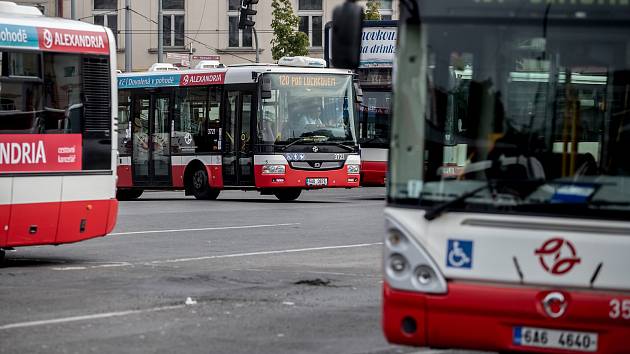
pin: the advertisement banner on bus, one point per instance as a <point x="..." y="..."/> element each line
<point x="40" y="152"/>
<point x="148" y="81"/>
<point x="18" y="36"/>
<point x="202" y="79"/>
<point x="53" y="39"/>
<point x="73" y="41"/>
<point x="170" y="80"/>
<point x="378" y="46"/>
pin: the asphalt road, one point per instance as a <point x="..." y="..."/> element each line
<point x="242" y="274"/>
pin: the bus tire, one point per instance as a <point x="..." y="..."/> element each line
<point x="128" y="194"/>
<point x="200" y="187"/>
<point x="287" y="195"/>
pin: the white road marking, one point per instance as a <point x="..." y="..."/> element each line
<point x="310" y="272"/>
<point x="262" y="253"/>
<point x="202" y="229"/>
<point x="87" y="317"/>
<point x="234" y="255"/>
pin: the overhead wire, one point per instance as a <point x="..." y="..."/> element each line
<point x="194" y="40"/>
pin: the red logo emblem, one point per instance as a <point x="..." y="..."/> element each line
<point x="557" y="256"/>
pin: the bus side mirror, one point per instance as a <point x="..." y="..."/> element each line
<point x="265" y="91"/>
<point x="347" y="25"/>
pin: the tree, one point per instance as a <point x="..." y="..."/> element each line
<point x="287" y="40"/>
<point x="372" y="12"/>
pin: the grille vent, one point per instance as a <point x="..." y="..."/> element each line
<point x="96" y="94"/>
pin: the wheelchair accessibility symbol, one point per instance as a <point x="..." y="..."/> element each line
<point x="459" y="254"/>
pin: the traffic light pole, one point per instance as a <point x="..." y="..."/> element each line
<point x="128" y="44"/>
<point x="160" y="33"/>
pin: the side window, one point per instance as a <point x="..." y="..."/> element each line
<point x="21" y="93"/>
<point x="189" y="120"/>
<point x="63" y="108"/>
<point x="214" y="118"/>
<point x="196" y="122"/>
<point x="124" y="126"/>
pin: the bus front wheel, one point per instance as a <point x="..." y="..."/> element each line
<point x="128" y="194"/>
<point x="287" y="195"/>
<point x="200" y="187"/>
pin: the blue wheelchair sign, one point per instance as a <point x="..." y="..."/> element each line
<point x="459" y="254"/>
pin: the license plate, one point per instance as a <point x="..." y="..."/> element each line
<point x="557" y="339"/>
<point x="317" y="181"/>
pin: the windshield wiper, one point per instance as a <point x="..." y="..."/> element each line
<point x="300" y="140"/>
<point x="437" y="210"/>
<point x="342" y="144"/>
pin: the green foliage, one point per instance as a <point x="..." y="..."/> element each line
<point x="372" y="12"/>
<point x="287" y="40"/>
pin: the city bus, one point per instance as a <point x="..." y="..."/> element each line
<point x="57" y="103"/>
<point x="508" y="202"/>
<point x="277" y="129"/>
<point x="374" y="74"/>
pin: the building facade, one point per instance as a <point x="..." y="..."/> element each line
<point x="199" y="28"/>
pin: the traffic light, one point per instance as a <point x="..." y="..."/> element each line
<point x="246" y="11"/>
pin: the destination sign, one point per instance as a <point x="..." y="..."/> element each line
<point x="307" y="80"/>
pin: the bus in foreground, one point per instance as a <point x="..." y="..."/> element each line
<point x="57" y="100"/>
<point x="277" y="129"/>
<point x="508" y="216"/>
<point x="374" y="74"/>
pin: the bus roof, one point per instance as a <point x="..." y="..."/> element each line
<point x="230" y="75"/>
<point x="29" y="31"/>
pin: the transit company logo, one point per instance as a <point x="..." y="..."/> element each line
<point x="557" y="256"/>
<point x="48" y="38"/>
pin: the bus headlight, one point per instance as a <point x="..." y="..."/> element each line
<point x="354" y="169"/>
<point x="273" y="169"/>
<point x="397" y="263"/>
<point x="408" y="266"/>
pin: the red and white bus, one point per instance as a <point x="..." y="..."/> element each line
<point x="374" y="74"/>
<point x="57" y="100"/>
<point x="508" y="217"/>
<point x="278" y="129"/>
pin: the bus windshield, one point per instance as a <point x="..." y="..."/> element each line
<point x="535" y="118"/>
<point x="307" y="108"/>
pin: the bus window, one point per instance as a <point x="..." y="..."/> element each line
<point x="124" y="126"/>
<point x="214" y="123"/>
<point x="20" y="93"/>
<point x="63" y="88"/>
<point x="189" y="119"/>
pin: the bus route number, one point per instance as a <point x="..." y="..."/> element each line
<point x="619" y="309"/>
<point x="339" y="156"/>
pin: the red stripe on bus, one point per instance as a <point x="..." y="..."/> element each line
<point x="373" y="173"/>
<point x="56" y="222"/>
<point x="124" y="176"/>
<point x="483" y="317"/>
<point x="297" y="178"/>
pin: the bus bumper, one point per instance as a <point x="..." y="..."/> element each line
<point x="484" y="317"/>
<point x="373" y="173"/>
<point x="298" y="178"/>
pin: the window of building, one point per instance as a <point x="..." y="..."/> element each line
<point x="237" y="37"/>
<point x="105" y="13"/>
<point x="173" y="23"/>
<point x="311" y="15"/>
<point x="386" y="9"/>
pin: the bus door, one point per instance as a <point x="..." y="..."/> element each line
<point x="238" y="156"/>
<point x="151" y="160"/>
